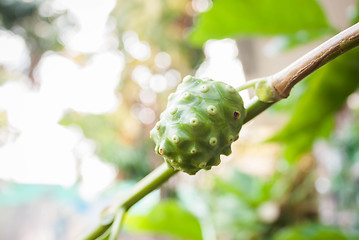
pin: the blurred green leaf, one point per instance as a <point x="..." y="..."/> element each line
<point x="233" y="18"/>
<point x="236" y="204"/>
<point x="289" y="41"/>
<point x="311" y="231"/>
<point x="244" y="186"/>
<point x="355" y="17"/>
<point x="344" y="182"/>
<point x="166" y="218"/>
<point x="162" y="23"/>
<point x="313" y="115"/>
<point x="252" y="190"/>
<point x="12" y="11"/>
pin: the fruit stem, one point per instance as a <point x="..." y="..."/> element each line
<point x="254" y="108"/>
<point x="98" y="232"/>
<point x="149" y="183"/>
<point x="250" y="84"/>
<point x="117" y="223"/>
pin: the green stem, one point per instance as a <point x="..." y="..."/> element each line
<point x="151" y="182"/>
<point x="117" y="224"/>
<point x="250" y="84"/>
<point x="98" y="232"/>
<point x="255" y="108"/>
<point x="105" y="235"/>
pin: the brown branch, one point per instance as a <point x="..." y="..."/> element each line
<point x="284" y="81"/>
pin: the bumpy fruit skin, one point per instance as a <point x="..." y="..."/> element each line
<point x="202" y="119"/>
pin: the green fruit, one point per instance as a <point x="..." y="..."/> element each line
<point x="201" y="121"/>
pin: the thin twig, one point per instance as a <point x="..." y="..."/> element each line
<point x="250" y="83"/>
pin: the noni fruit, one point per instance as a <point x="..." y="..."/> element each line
<point x="201" y="121"/>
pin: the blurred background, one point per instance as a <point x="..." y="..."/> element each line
<point x="82" y="82"/>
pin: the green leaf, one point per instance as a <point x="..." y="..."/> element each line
<point x="355" y="16"/>
<point x="234" y="18"/>
<point x="166" y="218"/>
<point x="244" y="186"/>
<point x="311" y="232"/>
<point x="252" y="190"/>
<point x="15" y="10"/>
<point x="289" y="41"/>
<point x="313" y="115"/>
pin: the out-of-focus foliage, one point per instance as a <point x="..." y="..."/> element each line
<point x="245" y="207"/>
<point x="112" y="147"/>
<point x="167" y="218"/>
<point x="312" y="231"/>
<point x="300" y="20"/>
<point x="242" y="207"/>
<point x="163" y="24"/>
<point x="13" y="11"/>
<point x="251" y="190"/>
<point x="39" y="31"/>
<point x="313" y="116"/>
<point x="160" y="27"/>
<point x="235" y="203"/>
<point x="24" y="18"/>
<point x="355" y="17"/>
<point x="345" y="180"/>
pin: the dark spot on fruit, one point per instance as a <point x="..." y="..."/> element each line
<point x="236" y="115"/>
